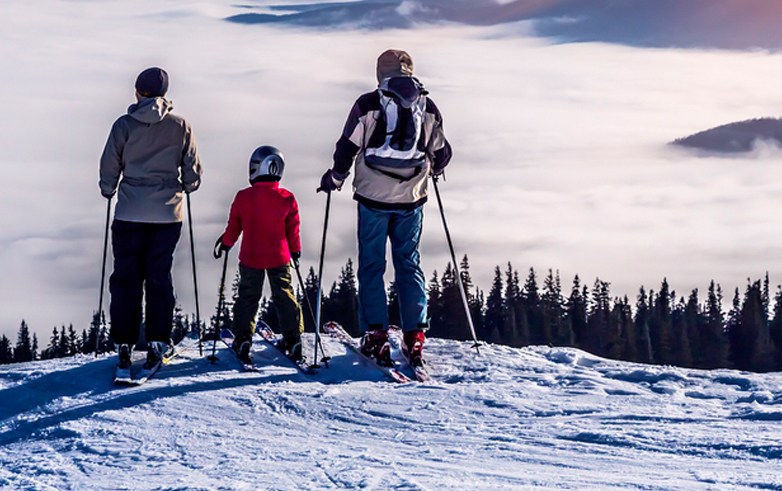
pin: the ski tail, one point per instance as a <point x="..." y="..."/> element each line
<point x="337" y="332"/>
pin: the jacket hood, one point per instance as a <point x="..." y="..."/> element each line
<point x="150" y="110"/>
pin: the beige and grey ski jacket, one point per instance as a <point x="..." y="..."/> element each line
<point x="388" y="187"/>
<point x="152" y="155"/>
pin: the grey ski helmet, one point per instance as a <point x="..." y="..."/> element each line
<point x="266" y="162"/>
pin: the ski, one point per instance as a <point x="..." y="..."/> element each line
<point x="146" y="373"/>
<point x="125" y="377"/>
<point x="422" y="373"/>
<point x="336" y="331"/>
<point x="227" y="337"/>
<point x="269" y="337"/>
<point x="122" y="376"/>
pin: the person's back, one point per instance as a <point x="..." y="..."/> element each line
<point x="267" y="216"/>
<point x="394" y="139"/>
<point x="151" y="157"/>
<point x="154" y="152"/>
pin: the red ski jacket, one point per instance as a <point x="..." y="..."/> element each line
<point x="268" y="216"/>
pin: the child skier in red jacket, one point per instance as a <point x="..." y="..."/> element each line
<point x="268" y="216"/>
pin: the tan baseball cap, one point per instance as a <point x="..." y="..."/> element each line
<point x="394" y="63"/>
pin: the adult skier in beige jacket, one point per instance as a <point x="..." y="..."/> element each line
<point x="151" y="159"/>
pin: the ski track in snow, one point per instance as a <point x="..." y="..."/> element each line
<point x="533" y="418"/>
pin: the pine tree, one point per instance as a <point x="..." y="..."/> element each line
<point x="495" y="317"/>
<point x="35" y="347"/>
<point x="533" y="309"/>
<point x="342" y="303"/>
<point x="681" y="355"/>
<point x="436" y="309"/>
<point x="6" y="352"/>
<point x="62" y="349"/>
<point x="454" y="323"/>
<point x="516" y="330"/>
<point x="766" y="297"/>
<point x="713" y="346"/>
<point x="475" y="301"/>
<point x="51" y="351"/>
<point x="598" y="320"/>
<point x="619" y="322"/>
<point x="733" y="328"/>
<point x="775" y="328"/>
<point x="642" y="316"/>
<point x="629" y="335"/>
<point x="661" y="327"/>
<point x="751" y="339"/>
<point x="694" y="319"/>
<point x="73" y="342"/>
<point x="94" y="332"/>
<point x="576" y="309"/>
<point x="24" y="347"/>
<point x="555" y="322"/>
<point x="84" y="342"/>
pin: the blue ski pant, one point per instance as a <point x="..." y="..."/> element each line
<point x="403" y="229"/>
<point x="143" y="257"/>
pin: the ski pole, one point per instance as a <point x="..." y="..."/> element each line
<point x="320" y="276"/>
<point x="102" y="276"/>
<point x="220" y="297"/>
<point x="325" y="358"/>
<point x="456" y="267"/>
<point x="195" y="277"/>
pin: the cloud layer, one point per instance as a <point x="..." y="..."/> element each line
<point x="732" y="24"/>
<point x="560" y="149"/>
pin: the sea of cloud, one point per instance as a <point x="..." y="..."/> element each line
<point x="560" y="149"/>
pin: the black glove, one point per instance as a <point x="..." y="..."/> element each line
<point x="108" y="195"/>
<point x="295" y="256"/>
<point x="438" y="172"/>
<point x="220" y="247"/>
<point x="331" y="181"/>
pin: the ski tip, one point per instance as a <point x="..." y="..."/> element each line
<point x="226" y="333"/>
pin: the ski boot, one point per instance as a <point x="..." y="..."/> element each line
<point x="374" y="344"/>
<point x="413" y="347"/>
<point x="155" y="353"/>
<point x="123" y="356"/>
<point x="242" y="349"/>
<point x="291" y="346"/>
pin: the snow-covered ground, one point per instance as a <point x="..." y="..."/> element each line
<point x="534" y="418"/>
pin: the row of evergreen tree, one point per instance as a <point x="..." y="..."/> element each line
<point x="658" y="327"/>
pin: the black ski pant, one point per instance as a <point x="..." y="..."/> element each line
<point x="143" y="257"/>
<point x="283" y="298"/>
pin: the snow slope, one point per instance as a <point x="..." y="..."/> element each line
<point x="534" y="418"/>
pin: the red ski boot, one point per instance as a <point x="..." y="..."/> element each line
<point x="374" y="344"/>
<point x="413" y="347"/>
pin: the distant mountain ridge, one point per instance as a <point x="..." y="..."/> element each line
<point x="741" y="136"/>
<point x="728" y="24"/>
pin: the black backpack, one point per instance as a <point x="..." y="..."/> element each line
<point x="398" y="139"/>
